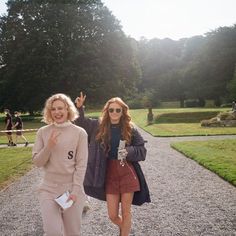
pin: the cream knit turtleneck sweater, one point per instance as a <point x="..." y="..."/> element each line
<point x="66" y="162"/>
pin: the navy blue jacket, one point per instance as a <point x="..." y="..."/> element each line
<point x="94" y="182"/>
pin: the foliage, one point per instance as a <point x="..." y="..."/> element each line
<point x="226" y="105"/>
<point x="184" y="117"/>
<point x="70" y="46"/>
<point x="192" y="68"/>
<point x="52" y="46"/>
<point x="232" y="87"/>
<point x="144" y="99"/>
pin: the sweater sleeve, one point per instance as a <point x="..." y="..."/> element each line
<point x="40" y="153"/>
<point x="81" y="163"/>
<point x="136" y="151"/>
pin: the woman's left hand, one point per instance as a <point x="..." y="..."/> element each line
<point x="122" y="154"/>
<point x="72" y="197"/>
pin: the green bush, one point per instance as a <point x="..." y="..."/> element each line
<point x="185" y="117"/>
<point x="170" y="104"/>
<point x="226" y="105"/>
<point x="191" y="103"/>
<point x="135" y="104"/>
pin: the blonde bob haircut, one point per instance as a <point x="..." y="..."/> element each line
<point x="72" y="111"/>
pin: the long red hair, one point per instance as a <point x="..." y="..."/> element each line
<point x="103" y="134"/>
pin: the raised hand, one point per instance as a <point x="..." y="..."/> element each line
<point x="52" y="141"/>
<point x="79" y="101"/>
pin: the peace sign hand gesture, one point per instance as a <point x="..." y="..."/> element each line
<point x="52" y="141"/>
<point x="79" y="101"/>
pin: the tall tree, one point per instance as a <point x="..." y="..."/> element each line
<point x="232" y="87"/>
<point x="195" y="68"/>
<point x="219" y="59"/>
<point x="62" y="46"/>
<point x="159" y="59"/>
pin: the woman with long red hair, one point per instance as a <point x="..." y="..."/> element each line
<point x="115" y="148"/>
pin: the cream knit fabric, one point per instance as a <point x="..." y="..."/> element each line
<point x="66" y="162"/>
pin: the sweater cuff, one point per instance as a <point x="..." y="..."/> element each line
<point x="77" y="190"/>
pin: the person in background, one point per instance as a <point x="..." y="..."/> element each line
<point x="233" y="106"/>
<point x="8" y="126"/>
<point x="61" y="149"/>
<point x="19" y="126"/>
<point x="111" y="173"/>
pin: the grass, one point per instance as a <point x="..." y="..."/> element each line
<point x="178" y="124"/>
<point x="168" y="123"/>
<point x="14" y="162"/>
<point x="183" y="129"/>
<point x="219" y="156"/>
<point x="30" y="136"/>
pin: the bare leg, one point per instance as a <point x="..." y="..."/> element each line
<point x="16" y="139"/>
<point x="24" y="138"/>
<point x="113" y="208"/>
<point x="9" y="137"/>
<point x="126" y="201"/>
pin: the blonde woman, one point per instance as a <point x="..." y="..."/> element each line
<point x="61" y="150"/>
<point x="114" y="174"/>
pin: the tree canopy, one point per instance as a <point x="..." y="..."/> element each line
<point x="70" y="46"/>
<point x="62" y="46"/>
<point x="200" y="67"/>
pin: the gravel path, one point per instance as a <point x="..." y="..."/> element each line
<point x="187" y="200"/>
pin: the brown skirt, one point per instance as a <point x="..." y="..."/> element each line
<point x="121" y="179"/>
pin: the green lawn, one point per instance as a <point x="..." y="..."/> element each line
<point x="185" y="129"/>
<point x="29" y="135"/>
<point x="179" y="125"/>
<point x="14" y="162"/>
<point x="218" y="156"/>
<point x="167" y="123"/>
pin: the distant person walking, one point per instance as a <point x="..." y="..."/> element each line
<point x="233" y="106"/>
<point x="19" y="126"/>
<point x="8" y="126"/>
<point x="61" y="149"/>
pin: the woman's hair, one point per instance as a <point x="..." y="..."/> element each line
<point x="103" y="134"/>
<point x="72" y="111"/>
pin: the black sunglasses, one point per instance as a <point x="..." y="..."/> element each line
<point x="117" y="110"/>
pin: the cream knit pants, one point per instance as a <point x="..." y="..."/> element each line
<point x="58" y="222"/>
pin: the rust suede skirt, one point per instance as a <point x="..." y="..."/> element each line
<point x="121" y="179"/>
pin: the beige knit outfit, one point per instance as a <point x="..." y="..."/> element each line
<point x="64" y="168"/>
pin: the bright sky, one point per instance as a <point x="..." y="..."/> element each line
<point x="173" y="19"/>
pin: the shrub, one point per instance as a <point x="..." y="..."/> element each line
<point x="184" y="117"/>
<point x="135" y="104"/>
<point x="226" y="105"/>
<point x="202" y="102"/>
<point x="191" y="103"/>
